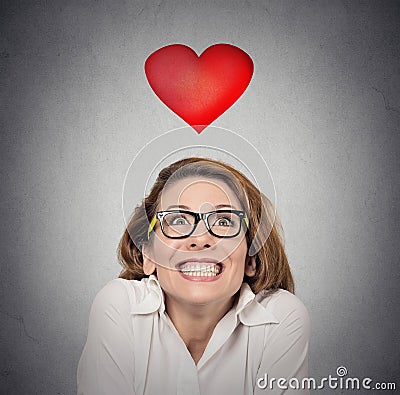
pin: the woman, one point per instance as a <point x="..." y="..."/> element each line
<point x="192" y="312"/>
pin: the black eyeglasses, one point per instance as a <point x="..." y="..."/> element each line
<point x="178" y="224"/>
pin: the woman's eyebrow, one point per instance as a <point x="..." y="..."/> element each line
<point x="225" y="205"/>
<point x="182" y="206"/>
<point x="177" y="206"/>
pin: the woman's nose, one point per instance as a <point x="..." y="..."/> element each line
<point x="201" y="237"/>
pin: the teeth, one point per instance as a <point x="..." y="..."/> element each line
<point x="198" y="270"/>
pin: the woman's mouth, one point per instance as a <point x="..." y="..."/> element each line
<point x="200" y="271"/>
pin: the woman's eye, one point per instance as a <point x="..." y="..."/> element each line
<point x="224" y="222"/>
<point x="179" y="221"/>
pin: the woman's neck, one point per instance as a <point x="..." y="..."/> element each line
<point x="196" y="323"/>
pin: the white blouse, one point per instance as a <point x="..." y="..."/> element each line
<point x="133" y="347"/>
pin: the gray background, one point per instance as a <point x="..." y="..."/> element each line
<point x="323" y="108"/>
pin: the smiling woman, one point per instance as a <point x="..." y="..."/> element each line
<point x="193" y="312"/>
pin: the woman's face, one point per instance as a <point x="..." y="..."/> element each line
<point x="200" y="269"/>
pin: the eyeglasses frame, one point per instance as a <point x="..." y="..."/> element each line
<point x="197" y="217"/>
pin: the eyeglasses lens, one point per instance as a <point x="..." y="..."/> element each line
<point x="224" y="224"/>
<point x="178" y="224"/>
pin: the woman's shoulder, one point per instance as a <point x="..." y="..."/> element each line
<point x="122" y="294"/>
<point x="283" y="304"/>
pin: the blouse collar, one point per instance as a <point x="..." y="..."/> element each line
<point x="247" y="308"/>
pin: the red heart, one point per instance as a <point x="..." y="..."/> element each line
<point x="199" y="88"/>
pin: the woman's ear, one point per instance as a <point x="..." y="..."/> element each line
<point x="148" y="265"/>
<point x="250" y="266"/>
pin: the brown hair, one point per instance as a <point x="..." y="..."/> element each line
<point x="272" y="267"/>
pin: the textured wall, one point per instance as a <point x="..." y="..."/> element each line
<point x="323" y="108"/>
